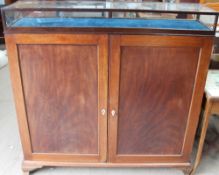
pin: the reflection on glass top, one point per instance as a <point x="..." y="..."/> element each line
<point x="108" y="5"/>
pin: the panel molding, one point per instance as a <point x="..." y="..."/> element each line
<point x="117" y="42"/>
<point x="101" y="41"/>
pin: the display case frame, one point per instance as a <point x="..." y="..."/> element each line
<point x="108" y="8"/>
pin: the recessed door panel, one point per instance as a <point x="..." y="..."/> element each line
<point x="152" y="82"/>
<point x="156" y="85"/>
<point x="61" y="92"/>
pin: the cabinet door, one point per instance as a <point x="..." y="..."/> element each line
<point x="156" y="87"/>
<point x="63" y="79"/>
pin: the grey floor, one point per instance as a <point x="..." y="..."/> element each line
<point x="11" y="152"/>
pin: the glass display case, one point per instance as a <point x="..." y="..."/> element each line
<point x="103" y="16"/>
<point x="2" y="4"/>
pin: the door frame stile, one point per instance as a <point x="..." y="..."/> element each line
<point x="114" y="67"/>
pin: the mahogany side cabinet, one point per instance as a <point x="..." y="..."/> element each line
<point x="108" y="90"/>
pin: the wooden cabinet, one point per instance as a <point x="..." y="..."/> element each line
<point x="83" y="102"/>
<point x="97" y="84"/>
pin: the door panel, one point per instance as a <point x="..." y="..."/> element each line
<point x="61" y="93"/>
<point x="155" y="92"/>
<point x="65" y="90"/>
<point x="151" y="90"/>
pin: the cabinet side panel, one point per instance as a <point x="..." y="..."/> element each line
<point x="156" y="86"/>
<point x="61" y="95"/>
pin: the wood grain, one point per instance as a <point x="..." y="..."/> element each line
<point x="61" y="95"/>
<point x="60" y="84"/>
<point x="18" y="96"/>
<point x="65" y="87"/>
<point x="154" y="85"/>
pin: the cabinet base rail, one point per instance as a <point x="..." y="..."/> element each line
<point x="30" y="166"/>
